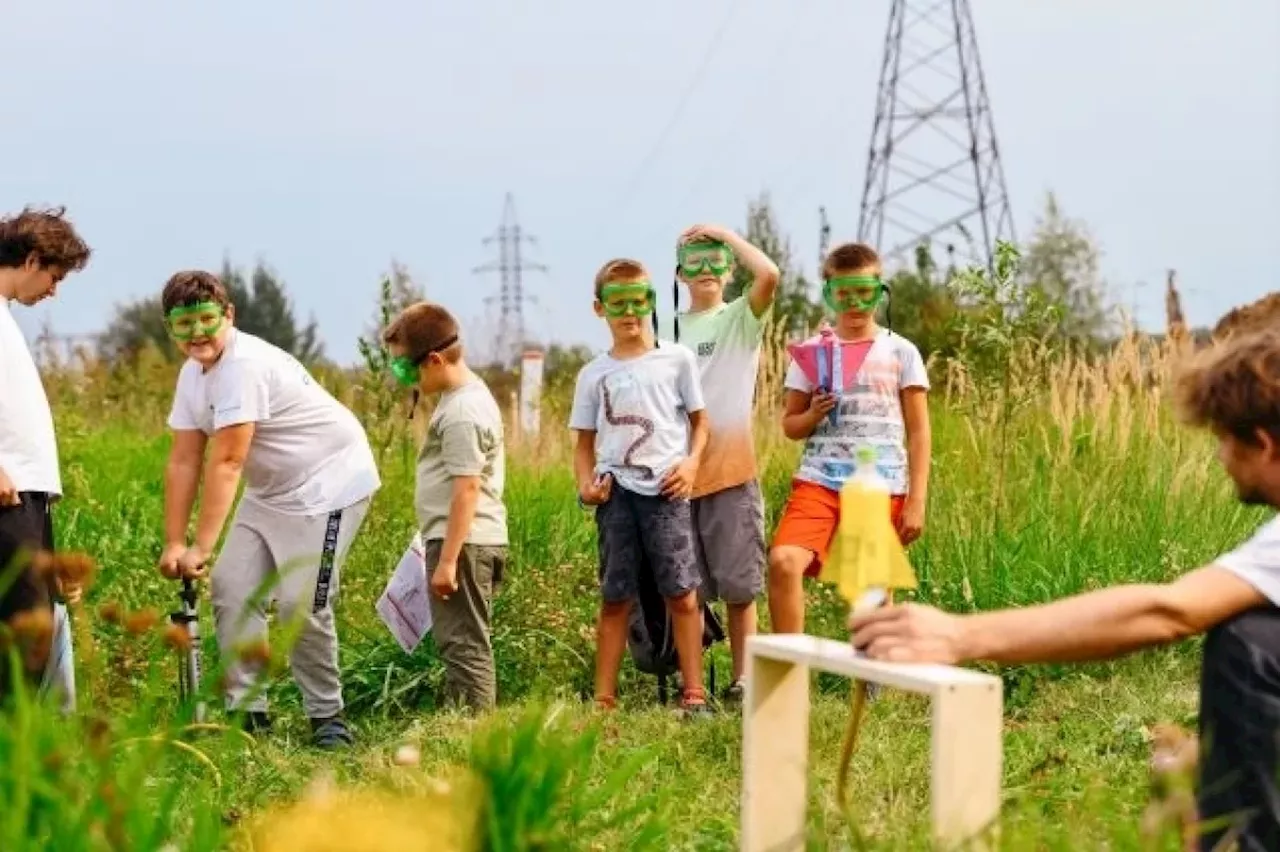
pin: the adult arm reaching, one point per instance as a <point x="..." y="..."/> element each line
<point x="1096" y="625"/>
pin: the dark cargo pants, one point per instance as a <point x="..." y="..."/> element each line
<point x="461" y="625"/>
<point x="1240" y="731"/>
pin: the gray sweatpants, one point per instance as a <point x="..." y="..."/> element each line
<point x="297" y="560"/>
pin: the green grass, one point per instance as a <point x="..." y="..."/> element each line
<point x="1087" y="501"/>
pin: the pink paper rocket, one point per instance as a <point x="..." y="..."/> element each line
<point x="816" y="355"/>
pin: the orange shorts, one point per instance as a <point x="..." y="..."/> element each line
<point x="810" y="517"/>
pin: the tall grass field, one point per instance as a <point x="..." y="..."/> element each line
<point x="1065" y="476"/>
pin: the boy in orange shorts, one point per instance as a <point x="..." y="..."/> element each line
<point x="875" y="394"/>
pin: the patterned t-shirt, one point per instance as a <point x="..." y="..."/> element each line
<point x="869" y="412"/>
<point x="726" y="340"/>
<point x="639" y="409"/>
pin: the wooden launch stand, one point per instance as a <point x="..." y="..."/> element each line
<point x="965" y="752"/>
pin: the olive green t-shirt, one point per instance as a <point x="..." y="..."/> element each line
<point x="464" y="438"/>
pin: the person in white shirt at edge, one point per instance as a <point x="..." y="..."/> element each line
<point x="309" y="475"/>
<point x="1234" y="390"/>
<point x="38" y="249"/>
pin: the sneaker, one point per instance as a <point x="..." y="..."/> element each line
<point x="693" y="704"/>
<point x="331" y="733"/>
<point x="256" y="721"/>
<point x="735" y="694"/>
<point x="605" y="703"/>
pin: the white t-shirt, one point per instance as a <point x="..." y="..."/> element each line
<point x="1257" y="561"/>
<point x="639" y="410"/>
<point x="28" y="448"/>
<point x="869" y="414"/>
<point x="309" y="454"/>
<point x="726" y="340"/>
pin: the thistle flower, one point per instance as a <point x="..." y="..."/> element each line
<point x="177" y="638"/>
<point x="33" y="628"/>
<point x="137" y="623"/>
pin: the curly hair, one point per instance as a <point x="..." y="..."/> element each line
<point x="191" y="287"/>
<point x="1234" y="388"/>
<point x="48" y="234"/>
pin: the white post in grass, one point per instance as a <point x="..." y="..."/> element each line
<point x="965" y="753"/>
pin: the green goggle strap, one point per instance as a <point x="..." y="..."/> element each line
<point x="407" y="370"/>
<point x="638" y="287"/>
<point x="181" y="311"/>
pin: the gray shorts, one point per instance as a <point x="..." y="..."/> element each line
<point x="731" y="543"/>
<point x="635" y="530"/>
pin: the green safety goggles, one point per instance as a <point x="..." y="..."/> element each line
<point x="200" y="320"/>
<point x="631" y="299"/>
<point x="697" y="258"/>
<point x="850" y="292"/>
<point x="408" y="371"/>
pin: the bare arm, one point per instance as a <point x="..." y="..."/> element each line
<point x="763" y="270"/>
<point x="181" y="482"/>
<point x="799" y="414"/>
<point x="699" y="433"/>
<point x="915" y="414"/>
<point x="462" y="513"/>
<point x="584" y="459"/>
<point x="222" y="472"/>
<point x="1109" y="622"/>
<point x="1092" y="626"/>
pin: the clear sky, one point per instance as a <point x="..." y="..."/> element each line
<point x="328" y="138"/>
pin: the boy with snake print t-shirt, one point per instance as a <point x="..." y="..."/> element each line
<point x="641" y="428"/>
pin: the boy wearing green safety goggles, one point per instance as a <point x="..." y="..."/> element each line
<point x="457" y="497"/>
<point x="244" y="408"/>
<point x="726" y="337"/>
<point x="870" y="391"/>
<point x="641" y="429"/>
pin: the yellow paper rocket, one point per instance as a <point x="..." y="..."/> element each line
<point x="866" y="552"/>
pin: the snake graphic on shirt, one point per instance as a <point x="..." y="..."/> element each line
<point x="644" y="423"/>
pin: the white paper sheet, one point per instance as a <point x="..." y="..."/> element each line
<point x="405" y="606"/>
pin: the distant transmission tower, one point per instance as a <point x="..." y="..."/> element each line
<point x="934" y="169"/>
<point x="510" y="266"/>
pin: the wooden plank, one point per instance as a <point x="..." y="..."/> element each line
<point x="965" y="751"/>
<point x="840" y="658"/>
<point x="966" y="764"/>
<point x="775" y="755"/>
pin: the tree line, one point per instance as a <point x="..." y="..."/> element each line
<point x="1059" y="264"/>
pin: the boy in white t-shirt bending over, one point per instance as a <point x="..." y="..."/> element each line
<point x="309" y="476"/>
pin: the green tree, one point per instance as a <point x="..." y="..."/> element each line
<point x="794" y="305"/>
<point x="1061" y="260"/>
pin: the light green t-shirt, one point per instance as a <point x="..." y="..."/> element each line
<point x="726" y="341"/>
<point x="464" y="438"/>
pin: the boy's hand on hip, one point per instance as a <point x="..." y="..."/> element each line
<point x="8" y="493"/>
<point x="444" y="580"/>
<point x="912" y="523"/>
<point x="678" y="483"/>
<point x="597" y="491"/>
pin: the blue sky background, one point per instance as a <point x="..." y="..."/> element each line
<point x="328" y="138"/>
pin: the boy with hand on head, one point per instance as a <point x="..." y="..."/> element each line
<point x="38" y="248"/>
<point x="727" y="507"/>
<point x="309" y="477"/>
<point x="458" y="497"/>
<point x="877" y="399"/>
<point x="642" y="428"/>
